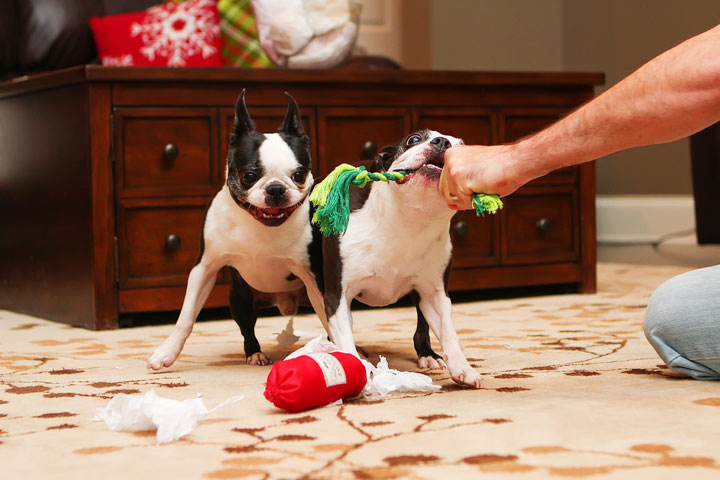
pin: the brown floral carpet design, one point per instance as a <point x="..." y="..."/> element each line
<point x="571" y="389"/>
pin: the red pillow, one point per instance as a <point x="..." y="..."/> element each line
<point x="169" y="35"/>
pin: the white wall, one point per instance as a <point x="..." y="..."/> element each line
<point x="611" y="36"/>
<point x="497" y="35"/>
<point x="621" y="37"/>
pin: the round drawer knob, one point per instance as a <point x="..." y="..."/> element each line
<point x="461" y="229"/>
<point x="171" y="152"/>
<point x="369" y="150"/>
<point x="543" y="225"/>
<point x="173" y="242"/>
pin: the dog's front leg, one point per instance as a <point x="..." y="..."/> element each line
<point x="200" y="284"/>
<point x="437" y="308"/>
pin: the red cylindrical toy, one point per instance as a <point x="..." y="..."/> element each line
<point x="309" y="381"/>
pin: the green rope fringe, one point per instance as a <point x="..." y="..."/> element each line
<point x="486" y="203"/>
<point x="331" y="197"/>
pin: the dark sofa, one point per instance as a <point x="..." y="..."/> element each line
<point x="42" y="35"/>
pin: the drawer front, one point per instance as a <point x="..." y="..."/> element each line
<point x="517" y="124"/>
<point x="475" y="240"/>
<point x="474" y="126"/>
<point x="162" y="152"/>
<point x="159" y="244"/>
<point x="267" y="120"/>
<point x="350" y="135"/>
<point x="540" y="227"/>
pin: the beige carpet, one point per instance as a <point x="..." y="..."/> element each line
<point x="571" y="390"/>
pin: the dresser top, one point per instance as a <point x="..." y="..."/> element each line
<point x="98" y="73"/>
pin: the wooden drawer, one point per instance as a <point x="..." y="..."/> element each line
<point x="267" y="120"/>
<point x="474" y="126"/>
<point x="519" y="123"/>
<point x="159" y="243"/>
<point x="475" y="240"/>
<point x="540" y="226"/>
<point x="349" y="135"/>
<point x="164" y="152"/>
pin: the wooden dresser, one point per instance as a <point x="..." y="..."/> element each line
<point x="105" y="174"/>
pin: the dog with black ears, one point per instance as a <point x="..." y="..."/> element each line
<point x="259" y="225"/>
<point x="398" y="243"/>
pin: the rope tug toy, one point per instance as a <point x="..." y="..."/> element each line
<point x="331" y="197"/>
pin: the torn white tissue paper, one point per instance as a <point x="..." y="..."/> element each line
<point x="173" y="419"/>
<point x="289" y="336"/>
<point x="319" y="344"/>
<point x="382" y="380"/>
<point x="385" y="380"/>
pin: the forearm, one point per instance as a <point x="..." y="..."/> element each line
<point x="670" y="97"/>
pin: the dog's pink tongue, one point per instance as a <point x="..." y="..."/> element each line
<point x="273" y="211"/>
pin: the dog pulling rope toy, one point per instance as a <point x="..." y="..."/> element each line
<point x="331" y="197"/>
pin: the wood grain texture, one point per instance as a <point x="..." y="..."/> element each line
<point x="104" y="293"/>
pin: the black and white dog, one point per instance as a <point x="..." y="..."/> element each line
<point x="398" y="243"/>
<point x="259" y="225"/>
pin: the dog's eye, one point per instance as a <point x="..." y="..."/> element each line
<point x="248" y="178"/>
<point x="413" y="140"/>
<point x="299" y="176"/>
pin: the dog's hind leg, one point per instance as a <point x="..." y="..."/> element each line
<point x="315" y="297"/>
<point x="427" y="357"/>
<point x="244" y="312"/>
<point x="340" y="323"/>
<point x="200" y="283"/>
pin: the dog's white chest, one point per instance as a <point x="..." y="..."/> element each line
<point x="269" y="259"/>
<point x="384" y="261"/>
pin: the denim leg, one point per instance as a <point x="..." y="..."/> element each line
<point x="682" y="323"/>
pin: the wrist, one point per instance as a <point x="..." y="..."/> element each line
<point x="525" y="163"/>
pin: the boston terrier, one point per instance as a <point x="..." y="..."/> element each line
<point x="259" y="225"/>
<point x="398" y="243"/>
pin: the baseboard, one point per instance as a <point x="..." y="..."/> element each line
<point x="643" y="218"/>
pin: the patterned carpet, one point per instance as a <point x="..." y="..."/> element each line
<point x="571" y="389"/>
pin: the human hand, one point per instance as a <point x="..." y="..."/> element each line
<point x="473" y="169"/>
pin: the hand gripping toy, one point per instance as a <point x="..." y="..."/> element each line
<point x="331" y="197"/>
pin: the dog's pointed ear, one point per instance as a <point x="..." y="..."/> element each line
<point x="243" y="122"/>
<point x="292" y="123"/>
<point x="384" y="159"/>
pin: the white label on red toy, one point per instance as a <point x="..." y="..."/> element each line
<point x="331" y="367"/>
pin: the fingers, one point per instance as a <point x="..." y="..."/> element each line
<point x="446" y="189"/>
<point x="456" y="196"/>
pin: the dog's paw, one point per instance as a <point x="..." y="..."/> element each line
<point x="466" y="376"/>
<point x="161" y="358"/>
<point x="258" y="358"/>
<point x="431" y="363"/>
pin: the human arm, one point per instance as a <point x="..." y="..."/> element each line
<point x="672" y="96"/>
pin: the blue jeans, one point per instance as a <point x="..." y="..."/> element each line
<point x="682" y="323"/>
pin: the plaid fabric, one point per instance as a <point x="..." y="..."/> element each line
<point x="240" y="37"/>
<point x="241" y="46"/>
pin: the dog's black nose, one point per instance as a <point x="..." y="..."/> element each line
<point x="441" y="143"/>
<point x="275" y="192"/>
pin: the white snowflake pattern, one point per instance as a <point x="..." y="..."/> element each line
<point x="118" y="61"/>
<point x="178" y="31"/>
